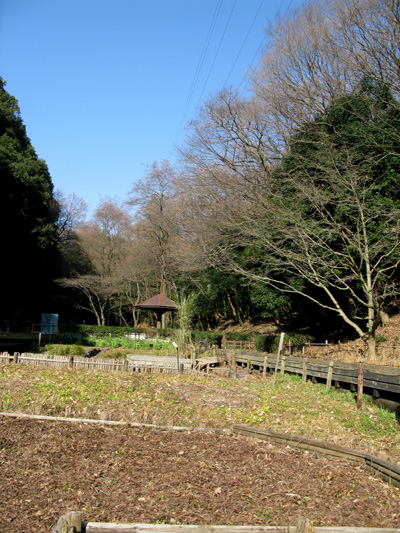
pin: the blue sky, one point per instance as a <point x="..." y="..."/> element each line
<point x="106" y="86"/>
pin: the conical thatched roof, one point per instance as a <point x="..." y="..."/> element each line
<point x="158" y="302"/>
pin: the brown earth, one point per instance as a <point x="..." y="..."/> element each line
<point x="194" y="477"/>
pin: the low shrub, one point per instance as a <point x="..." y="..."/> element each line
<point x="235" y="336"/>
<point x="270" y="343"/>
<point x="207" y="337"/>
<point x="65" y="349"/>
<point x="98" y="332"/>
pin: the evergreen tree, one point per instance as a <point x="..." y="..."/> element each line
<point x="29" y="214"/>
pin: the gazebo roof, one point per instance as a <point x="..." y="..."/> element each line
<point x="158" y="302"/>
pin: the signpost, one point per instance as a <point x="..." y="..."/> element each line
<point x="177" y="354"/>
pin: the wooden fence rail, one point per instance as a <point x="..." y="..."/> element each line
<point x="386" y="352"/>
<point x="387" y="471"/>
<point x="72" y="523"/>
<point x="380" y="379"/>
<point x="160" y="364"/>
<point x="238" y="345"/>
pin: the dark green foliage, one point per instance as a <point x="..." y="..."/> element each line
<point x="99" y="332"/>
<point x="267" y="343"/>
<point x="236" y="336"/>
<point x="270" y="303"/>
<point x="29" y="213"/>
<point x="207" y="338"/>
<point x="220" y="297"/>
<point x="270" y="343"/>
<point x="333" y="215"/>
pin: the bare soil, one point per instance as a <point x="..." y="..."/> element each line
<point x="193" y="477"/>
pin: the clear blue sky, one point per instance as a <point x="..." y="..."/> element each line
<point x="106" y="86"/>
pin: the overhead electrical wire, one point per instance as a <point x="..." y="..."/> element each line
<point x="205" y="49"/>
<point x="199" y="66"/>
<point x="246" y="76"/>
<point x="216" y="53"/>
<point x="244" y="42"/>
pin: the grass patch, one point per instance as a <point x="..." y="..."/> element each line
<point x="292" y="406"/>
<point x="65" y="349"/>
<point x="117" y="347"/>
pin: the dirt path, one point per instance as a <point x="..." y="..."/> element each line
<point x="142" y="475"/>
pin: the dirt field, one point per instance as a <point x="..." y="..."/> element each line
<point x="146" y="475"/>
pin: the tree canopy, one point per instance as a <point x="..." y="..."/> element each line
<point x="29" y="212"/>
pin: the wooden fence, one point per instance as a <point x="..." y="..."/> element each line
<point x="387" y="471"/>
<point x="335" y="373"/>
<point x="389" y="354"/>
<point x="238" y="345"/>
<point x="72" y="523"/>
<point x="159" y="364"/>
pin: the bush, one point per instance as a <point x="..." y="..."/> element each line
<point x="270" y="343"/>
<point x="207" y="337"/>
<point x="98" y="332"/>
<point x="64" y="349"/>
<point x="267" y="343"/>
<point x="234" y="336"/>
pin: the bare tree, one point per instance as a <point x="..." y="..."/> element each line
<point x="72" y="214"/>
<point x="330" y="220"/>
<point x="106" y="240"/>
<point x="316" y="56"/>
<point x="155" y="229"/>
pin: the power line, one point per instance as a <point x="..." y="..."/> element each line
<point x="199" y="66"/>
<point x="261" y="46"/>
<point x="216" y="53"/>
<point x="244" y="41"/>
<point x="205" y="50"/>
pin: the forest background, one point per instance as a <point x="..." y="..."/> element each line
<point x="284" y="206"/>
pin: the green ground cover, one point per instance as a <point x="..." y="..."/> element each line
<point x="291" y="406"/>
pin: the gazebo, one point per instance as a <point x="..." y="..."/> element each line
<point x="160" y="304"/>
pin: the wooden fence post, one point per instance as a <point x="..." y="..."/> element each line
<point x="233" y="364"/>
<point x="283" y="365"/>
<point x="277" y="357"/>
<point x="69" y="523"/>
<point x="75" y="521"/>
<point x="360" y="385"/>
<point x="15" y="359"/>
<point x="329" y="376"/>
<point x="265" y="367"/>
<point x="304" y="370"/>
<point x="71" y="361"/>
<point x="303" y="525"/>
<point x="223" y="344"/>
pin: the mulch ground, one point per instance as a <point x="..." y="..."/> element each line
<point x="114" y="474"/>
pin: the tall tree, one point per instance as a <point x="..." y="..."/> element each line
<point x="106" y="241"/>
<point x="153" y="200"/>
<point x="331" y="219"/>
<point x="29" y="236"/>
